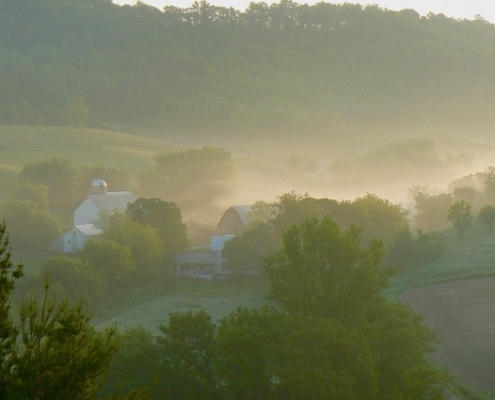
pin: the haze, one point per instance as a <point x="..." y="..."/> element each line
<point x="252" y="201"/>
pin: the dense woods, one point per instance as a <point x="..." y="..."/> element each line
<point x="283" y="68"/>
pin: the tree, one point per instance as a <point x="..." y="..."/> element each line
<point x="75" y="278"/>
<point x="76" y="111"/>
<point x="292" y="208"/>
<point x="261" y="212"/>
<point x="486" y="216"/>
<point x="267" y="354"/>
<point x="247" y="352"/>
<point x="467" y="193"/>
<point x="30" y="226"/>
<point x="244" y="253"/>
<point x="460" y="215"/>
<point x="114" y="261"/>
<point x="322" y="270"/>
<point x="431" y="210"/>
<point x="26" y="191"/>
<point x="488" y="177"/>
<point x="322" y="273"/>
<point x="195" y="175"/>
<point x="165" y="217"/>
<point x="60" y="354"/>
<point x="379" y="217"/>
<point x="136" y="363"/>
<point x="187" y="345"/>
<point x="9" y="331"/>
<point x="408" y="250"/>
<point x="57" y="174"/>
<point x="146" y="247"/>
<point x="48" y="349"/>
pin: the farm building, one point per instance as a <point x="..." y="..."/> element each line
<point x="100" y="200"/>
<point x="203" y="264"/>
<point x="234" y="220"/>
<point x="75" y="238"/>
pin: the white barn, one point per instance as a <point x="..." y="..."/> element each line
<point x="100" y="200"/>
<point x="88" y="212"/>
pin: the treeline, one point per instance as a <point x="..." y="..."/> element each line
<point x="284" y="67"/>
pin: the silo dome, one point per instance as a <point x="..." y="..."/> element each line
<point x="98" y="186"/>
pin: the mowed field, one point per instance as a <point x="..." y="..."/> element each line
<point x="456" y="296"/>
<point x="216" y="298"/>
<point x="463" y="315"/>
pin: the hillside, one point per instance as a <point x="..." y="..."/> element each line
<point x="336" y="74"/>
<point x="456" y="296"/>
<point x="473" y="257"/>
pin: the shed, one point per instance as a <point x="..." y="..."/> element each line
<point x="199" y="264"/>
<point x="75" y="238"/>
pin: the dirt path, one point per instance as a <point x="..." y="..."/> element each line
<point x="463" y="314"/>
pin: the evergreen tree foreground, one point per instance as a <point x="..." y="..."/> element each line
<point x="48" y="348"/>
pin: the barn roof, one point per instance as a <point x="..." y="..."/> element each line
<point x="218" y="241"/>
<point x="112" y="200"/>
<point x="88" y="230"/>
<point x="243" y="212"/>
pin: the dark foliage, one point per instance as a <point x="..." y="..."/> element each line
<point x="281" y="68"/>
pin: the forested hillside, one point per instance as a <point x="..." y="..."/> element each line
<point x="285" y="68"/>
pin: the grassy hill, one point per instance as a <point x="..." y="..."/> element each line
<point x="21" y="145"/>
<point x="472" y="257"/>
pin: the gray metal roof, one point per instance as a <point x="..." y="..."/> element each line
<point x="112" y="200"/>
<point x="218" y="241"/>
<point x="243" y="212"/>
<point x="88" y="230"/>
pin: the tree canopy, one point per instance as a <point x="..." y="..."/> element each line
<point x="165" y="217"/>
<point x="329" y="332"/>
<point x="209" y="68"/>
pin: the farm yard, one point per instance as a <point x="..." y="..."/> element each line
<point x="455" y="293"/>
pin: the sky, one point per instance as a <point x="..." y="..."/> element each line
<point x="451" y="8"/>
